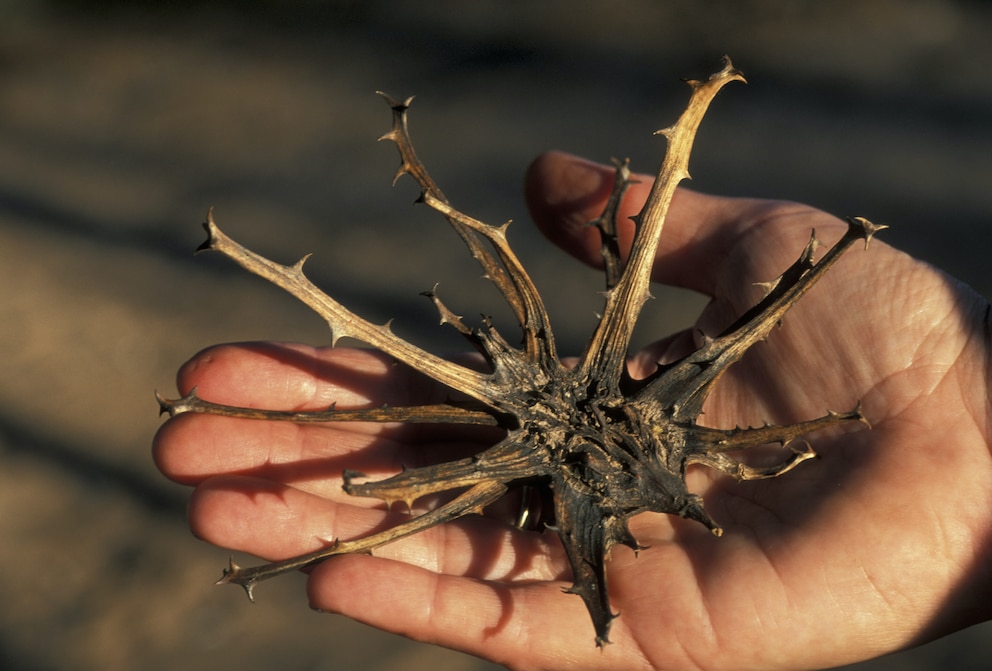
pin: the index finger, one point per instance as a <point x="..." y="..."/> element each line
<point x="564" y="193"/>
<point x="292" y="376"/>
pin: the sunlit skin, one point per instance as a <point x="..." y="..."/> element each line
<point x="878" y="544"/>
<point x="585" y="446"/>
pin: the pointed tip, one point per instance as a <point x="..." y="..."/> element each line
<point x="692" y="509"/>
<point x="164" y="404"/>
<point x="865" y="228"/>
<point x="767" y="287"/>
<point x="298" y="266"/>
<point x="210" y="226"/>
<point x="729" y="71"/>
<point x="232" y="575"/>
<point x="402" y="170"/>
<point x="801" y="450"/>
<point x="622" y="167"/>
<point x="603" y="630"/>
<point x="348" y="475"/>
<point x="232" y="568"/>
<point x="394" y="103"/>
<point x="858" y="415"/>
<point x="432" y="292"/>
<point x="693" y="83"/>
<point x="809" y="250"/>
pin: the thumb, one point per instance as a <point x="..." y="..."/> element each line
<point x="564" y="193"/>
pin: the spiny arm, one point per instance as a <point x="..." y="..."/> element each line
<point x="504" y="269"/>
<point x="700" y="370"/>
<point x="343" y="322"/>
<point x="604" y="359"/>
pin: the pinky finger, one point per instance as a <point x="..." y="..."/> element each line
<point x="523" y="625"/>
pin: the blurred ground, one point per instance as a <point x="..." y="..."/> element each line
<point x="120" y="123"/>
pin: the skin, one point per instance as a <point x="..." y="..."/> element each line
<point x="880" y="544"/>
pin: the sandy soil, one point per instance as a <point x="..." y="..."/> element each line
<point x="118" y="128"/>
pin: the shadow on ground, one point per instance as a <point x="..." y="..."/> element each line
<point x="120" y="123"/>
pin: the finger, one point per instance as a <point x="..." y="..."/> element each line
<point x="276" y="521"/>
<point x="534" y="624"/>
<point x="299" y="377"/>
<point x="565" y="192"/>
<point x="291" y="376"/>
<point x="191" y="448"/>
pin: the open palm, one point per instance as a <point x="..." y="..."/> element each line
<point x="880" y="543"/>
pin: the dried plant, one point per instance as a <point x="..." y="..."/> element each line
<point x="599" y="444"/>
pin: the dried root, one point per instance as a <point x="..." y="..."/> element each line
<point x="603" y="452"/>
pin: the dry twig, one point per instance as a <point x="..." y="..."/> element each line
<point x="603" y="446"/>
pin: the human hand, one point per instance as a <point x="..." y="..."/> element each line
<point x="879" y="544"/>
